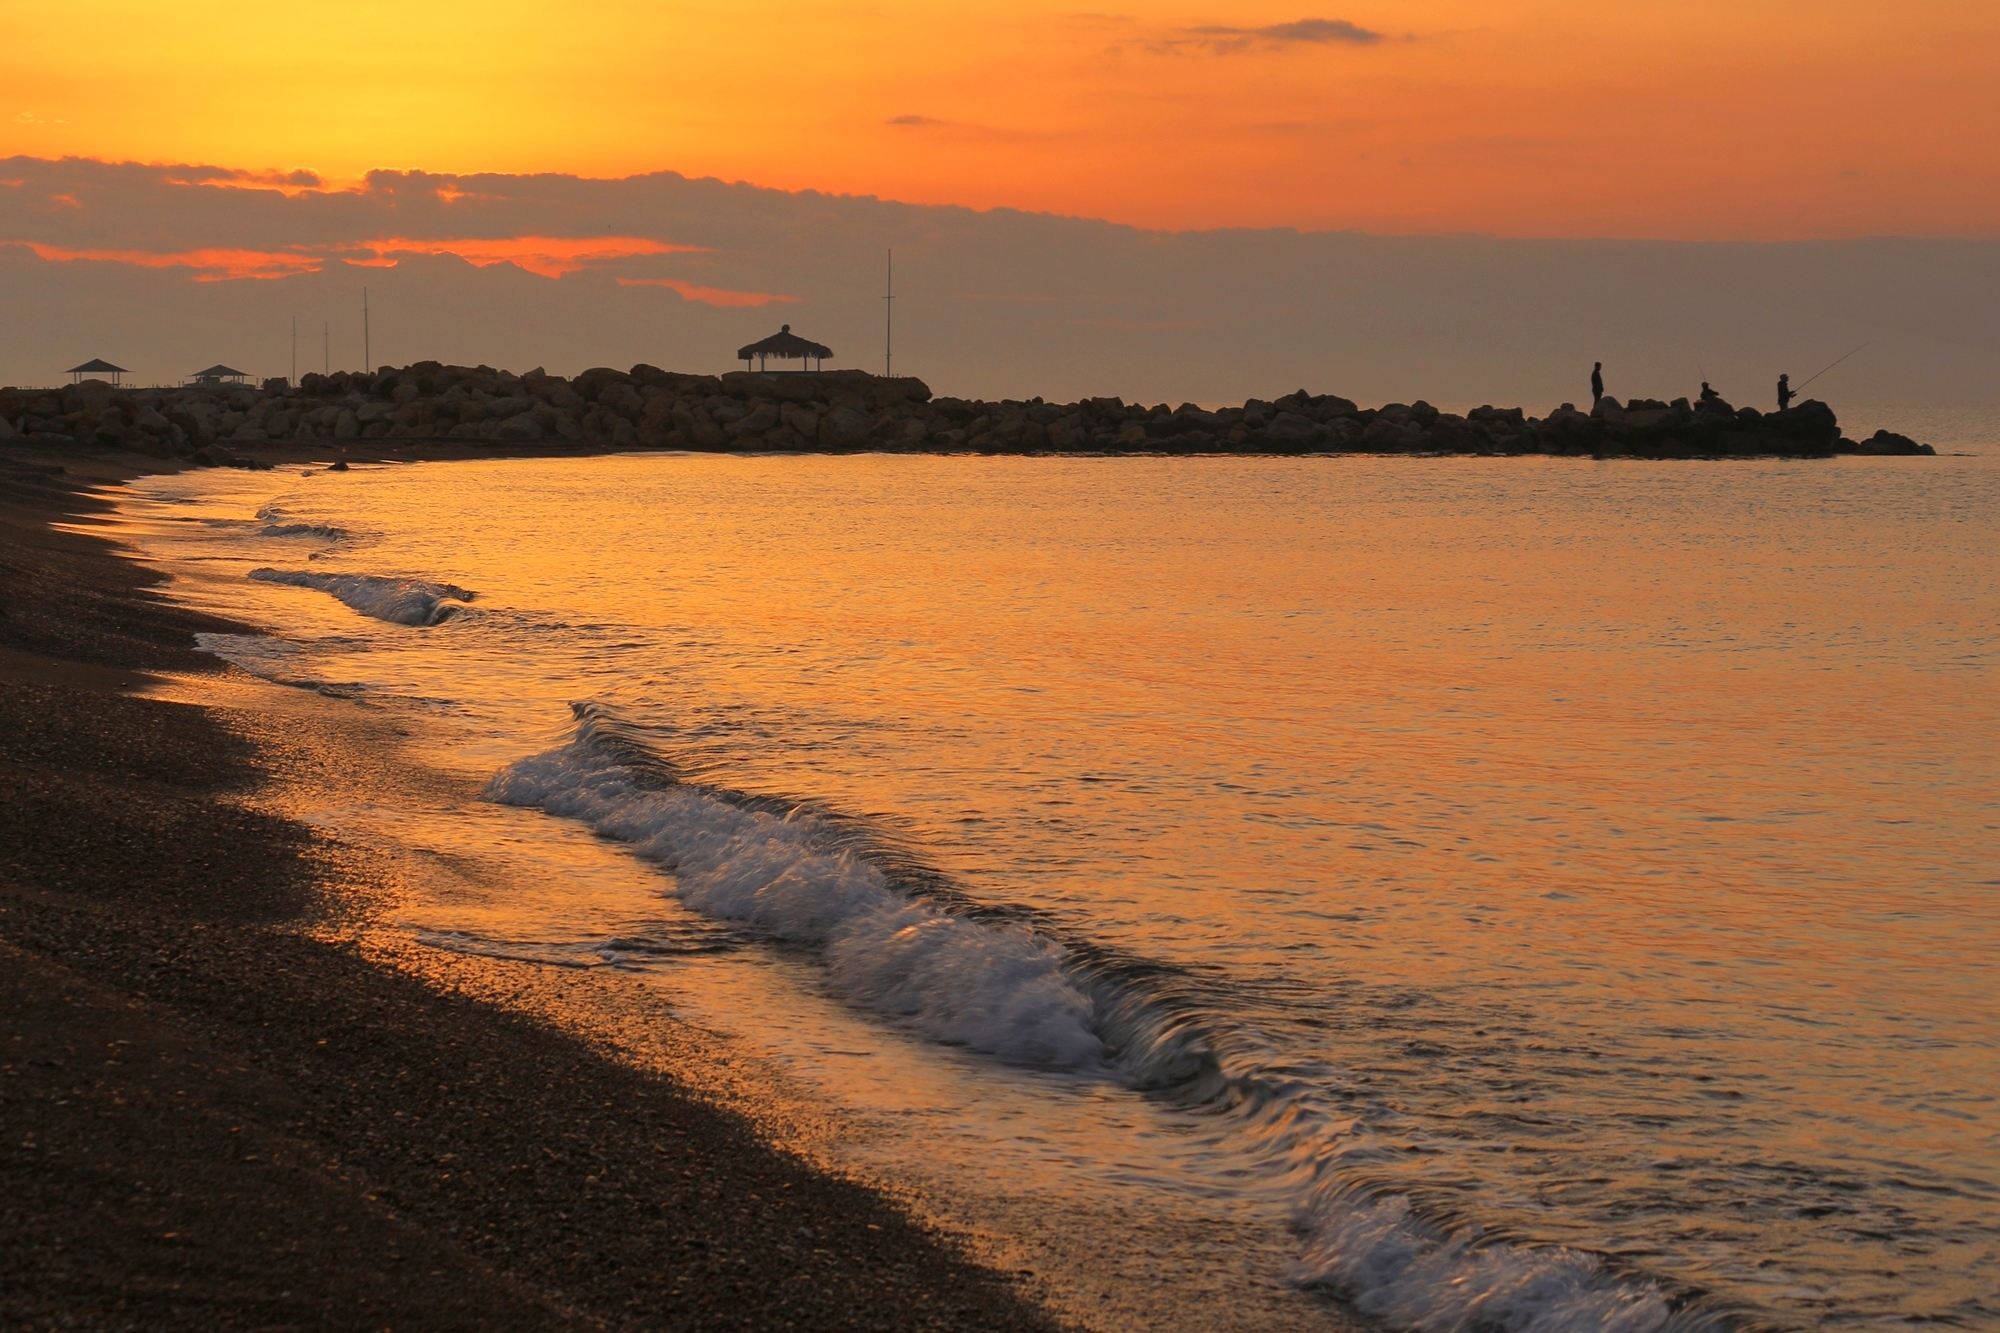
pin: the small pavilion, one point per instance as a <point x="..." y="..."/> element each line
<point x="94" y="368"/>
<point x="785" y="346"/>
<point x="219" y="374"/>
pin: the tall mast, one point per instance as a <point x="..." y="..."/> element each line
<point x="367" y="361"/>
<point x="889" y="322"/>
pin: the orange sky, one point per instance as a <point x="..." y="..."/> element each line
<point x="1779" y="119"/>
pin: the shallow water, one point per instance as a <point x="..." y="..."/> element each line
<point x="1542" y="892"/>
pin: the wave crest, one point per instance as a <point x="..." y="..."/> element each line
<point x="1011" y="991"/>
<point x="399" y="601"/>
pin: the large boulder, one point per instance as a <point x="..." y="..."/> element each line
<point x="1810" y="424"/>
<point x="521" y="427"/>
<point x="87" y="396"/>
<point x="1886" y="443"/>
<point x="844" y="428"/>
<point x="1291" y="428"/>
<point x="756" y="422"/>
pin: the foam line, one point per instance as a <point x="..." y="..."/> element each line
<point x="1008" y="990"/>
<point x="1000" y="989"/>
<point x="399" y="601"/>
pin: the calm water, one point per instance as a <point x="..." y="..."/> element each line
<point x="1528" y="893"/>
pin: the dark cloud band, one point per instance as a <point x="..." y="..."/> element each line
<point x="1315" y="32"/>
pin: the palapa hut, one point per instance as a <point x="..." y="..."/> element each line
<point x="785" y="346"/>
<point x="95" y="368"/>
<point x="219" y="374"/>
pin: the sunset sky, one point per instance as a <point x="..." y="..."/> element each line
<point x="1710" y="120"/>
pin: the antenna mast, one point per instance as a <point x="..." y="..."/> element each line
<point x="295" y="350"/>
<point x="889" y="322"/>
<point x="326" y="348"/>
<point x="367" y="361"/>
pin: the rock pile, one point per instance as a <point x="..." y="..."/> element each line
<point x="848" y="410"/>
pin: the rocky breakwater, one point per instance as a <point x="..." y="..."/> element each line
<point x="488" y="410"/>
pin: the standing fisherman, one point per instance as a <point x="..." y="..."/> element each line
<point x="1596" y="383"/>
<point x="1785" y="394"/>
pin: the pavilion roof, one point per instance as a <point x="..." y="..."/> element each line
<point x="220" y="372"/>
<point x="97" y="366"/>
<point x="786" y="346"/>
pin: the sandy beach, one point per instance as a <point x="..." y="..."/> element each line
<point x="220" y="1112"/>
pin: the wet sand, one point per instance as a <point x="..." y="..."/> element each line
<point x="217" y="1111"/>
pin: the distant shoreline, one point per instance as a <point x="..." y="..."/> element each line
<point x="436" y="411"/>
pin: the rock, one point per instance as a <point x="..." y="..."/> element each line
<point x="845" y="428"/>
<point x="522" y="426"/>
<point x="1291" y="428"/>
<point x="340" y="466"/>
<point x="1812" y="424"/>
<point x="87" y="396"/>
<point x="346" y="426"/>
<point x="214" y="455"/>
<point x="1888" y="444"/>
<point x="803" y="420"/>
<point x="757" y="421"/>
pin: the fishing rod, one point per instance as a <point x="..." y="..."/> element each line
<point x="1795" y="390"/>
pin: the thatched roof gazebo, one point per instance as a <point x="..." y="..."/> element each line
<point x="94" y="368"/>
<point x="785" y="346"/>
<point x="220" y="374"/>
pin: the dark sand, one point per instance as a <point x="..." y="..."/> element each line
<point x="210" y="1117"/>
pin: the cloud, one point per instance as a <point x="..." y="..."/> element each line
<point x="716" y="296"/>
<point x="209" y="265"/>
<point x="917" y="122"/>
<point x="548" y="256"/>
<point x="288" y="183"/>
<point x="1220" y="40"/>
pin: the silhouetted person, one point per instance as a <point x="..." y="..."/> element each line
<point x="1709" y="395"/>
<point x="1785" y="394"/>
<point x="1596" y="383"/>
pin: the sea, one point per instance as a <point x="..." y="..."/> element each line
<point x="1397" y="892"/>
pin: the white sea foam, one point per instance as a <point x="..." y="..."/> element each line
<point x="279" y="661"/>
<point x="400" y="601"/>
<point x="998" y="988"/>
<point x="1009" y="991"/>
<point x="1397" y="1269"/>
<point x="324" y="531"/>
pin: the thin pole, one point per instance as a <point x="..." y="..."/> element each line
<point x="326" y="348"/>
<point x="1831" y="367"/>
<point x="367" y="360"/>
<point x="295" y="349"/>
<point x="889" y="323"/>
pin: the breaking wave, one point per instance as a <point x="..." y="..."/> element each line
<point x="279" y="524"/>
<point x="399" y="601"/>
<point x="1015" y="990"/>
<point x="324" y="531"/>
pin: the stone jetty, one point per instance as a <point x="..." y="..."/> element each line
<point x="487" y="411"/>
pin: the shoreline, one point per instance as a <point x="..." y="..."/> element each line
<point x="221" y="1112"/>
